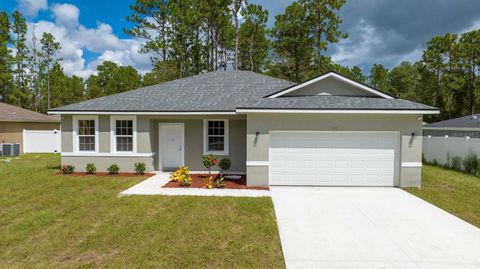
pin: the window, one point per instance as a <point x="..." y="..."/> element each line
<point x="85" y="131"/>
<point x="123" y="133"/>
<point x="86" y="135"/>
<point x="216" y="137"/>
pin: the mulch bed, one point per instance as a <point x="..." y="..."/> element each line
<point x="199" y="179"/>
<point x="123" y="174"/>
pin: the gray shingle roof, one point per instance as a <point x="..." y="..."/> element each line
<point x="227" y="91"/>
<point x="18" y="114"/>
<point x="471" y="121"/>
<point x="214" y="91"/>
<point x="328" y="102"/>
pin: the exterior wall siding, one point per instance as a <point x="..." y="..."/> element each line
<point x="258" y="148"/>
<point x="147" y="142"/>
<point x="12" y="132"/>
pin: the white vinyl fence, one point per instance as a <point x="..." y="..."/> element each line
<point x="439" y="148"/>
<point x="48" y="141"/>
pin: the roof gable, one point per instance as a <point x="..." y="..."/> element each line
<point x="330" y="83"/>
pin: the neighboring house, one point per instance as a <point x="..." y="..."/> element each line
<point x="13" y="120"/>
<point x="458" y="127"/>
<point x="329" y="130"/>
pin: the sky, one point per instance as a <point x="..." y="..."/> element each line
<point x="380" y="31"/>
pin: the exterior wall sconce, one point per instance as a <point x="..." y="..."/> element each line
<point x="413" y="135"/>
<point x="257" y="134"/>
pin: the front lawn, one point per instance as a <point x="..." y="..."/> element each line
<point x="54" y="221"/>
<point x="453" y="191"/>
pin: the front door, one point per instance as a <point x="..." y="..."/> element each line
<point x="171" y="146"/>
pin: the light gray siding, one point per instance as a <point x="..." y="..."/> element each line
<point x="104" y="133"/>
<point x="125" y="163"/>
<point x="258" y="148"/>
<point x="147" y="143"/>
<point x="67" y="129"/>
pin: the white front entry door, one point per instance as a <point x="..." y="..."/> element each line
<point x="171" y="145"/>
<point x="334" y="158"/>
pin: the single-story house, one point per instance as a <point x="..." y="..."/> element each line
<point x="326" y="131"/>
<point x="458" y="127"/>
<point x="13" y="120"/>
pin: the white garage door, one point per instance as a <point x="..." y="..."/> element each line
<point x="333" y="158"/>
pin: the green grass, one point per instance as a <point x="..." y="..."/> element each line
<point x="453" y="191"/>
<point x="55" y="221"/>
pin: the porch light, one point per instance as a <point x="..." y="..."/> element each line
<point x="257" y="134"/>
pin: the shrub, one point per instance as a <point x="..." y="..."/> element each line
<point x="207" y="183"/>
<point x="435" y="162"/>
<point x="471" y="163"/>
<point x="182" y="176"/>
<point x="219" y="183"/>
<point x="456" y="163"/>
<point x="224" y="164"/>
<point x="208" y="161"/>
<point x="91" y="169"/>
<point x="139" y="168"/>
<point x="113" y="169"/>
<point x="185" y="181"/>
<point x="67" y="169"/>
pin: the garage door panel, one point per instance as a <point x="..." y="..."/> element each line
<point x="333" y="158"/>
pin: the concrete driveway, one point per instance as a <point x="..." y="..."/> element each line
<point x="370" y="228"/>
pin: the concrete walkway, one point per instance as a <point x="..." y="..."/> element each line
<point x="370" y="228"/>
<point x="153" y="186"/>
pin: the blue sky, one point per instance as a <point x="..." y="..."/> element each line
<point x="386" y="31"/>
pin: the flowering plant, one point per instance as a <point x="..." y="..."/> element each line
<point x="209" y="160"/>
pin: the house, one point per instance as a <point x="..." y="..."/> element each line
<point x="329" y="130"/>
<point x="458" y="127"/>
<point x="13" y="120"/>
<point x="447" y="140"/>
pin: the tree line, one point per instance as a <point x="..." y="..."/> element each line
<point x="189" y="37"/>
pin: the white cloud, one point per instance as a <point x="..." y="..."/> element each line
<point x="66" y="15"/>
<point x="32" y="7"/>
<point x="76" y="40"/>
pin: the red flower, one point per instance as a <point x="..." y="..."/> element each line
<point x="214" y="162"/>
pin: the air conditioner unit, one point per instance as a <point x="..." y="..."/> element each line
<point x="10" y="149"/>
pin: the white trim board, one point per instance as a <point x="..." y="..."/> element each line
<point x="334" y="111"/>
<point x="411" y="164"/>
<point x="246" y="110"/>
<point x="139" y="113"/>
<point x="334" y="75"/>
<point x="106" y="154"/>
<point x="258" y="163"/>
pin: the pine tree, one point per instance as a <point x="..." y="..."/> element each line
<point x="6" y="72"/>
<point x="21" y="93"/>
<point x="50" y="49"/>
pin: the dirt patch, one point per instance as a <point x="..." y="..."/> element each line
<point x="198" y="181"/>
<point x="103" y="174"/>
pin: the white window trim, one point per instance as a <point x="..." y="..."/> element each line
<point x="75" y="120"/>
<point x="113" y="137"/>
<point x="205" y="138"/>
